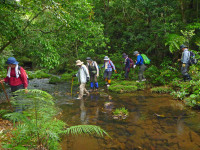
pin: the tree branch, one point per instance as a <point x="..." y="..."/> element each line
<point x="14" y="38"/>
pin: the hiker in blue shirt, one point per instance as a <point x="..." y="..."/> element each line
<point x="127" y="65"/>
<point x="140" y="63"/>
<point x="185" y="63"/>
<point x="109" y="66"/>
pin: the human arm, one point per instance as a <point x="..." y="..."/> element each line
<point x="24" y="78"/>
<point x="97" y="68"/>
<point x="138" y="60"/>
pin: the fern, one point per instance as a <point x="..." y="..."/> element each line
<point x="86" y="129"/>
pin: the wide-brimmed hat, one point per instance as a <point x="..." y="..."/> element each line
<point x="106" y="58"/>
<point x="78" y="63"/>
<point x="88" y="58"/>
<point x="12" y="60"/>
<point x="183" y="46"/>
<point x="135" y="52"/>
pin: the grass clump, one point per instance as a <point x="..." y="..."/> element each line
<point x="120" y="113"/>
<point x="54" y="80"/>
<point x="39" y="74"/>
<point x="161" y="89"/>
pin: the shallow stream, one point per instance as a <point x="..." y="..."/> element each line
<point x="155" y="122"/>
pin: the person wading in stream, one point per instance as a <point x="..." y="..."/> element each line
<point x="128" y="65"/>
<point x="83" y="78"/>
<point x="94" y="73"/>
<point x="185" y="63"/>
<point x="109" y="66"/>
<point x="140" y="63"/>
<point x="16" y="75"/>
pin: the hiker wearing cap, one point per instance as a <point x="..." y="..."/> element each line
<point x="185" y="63"/>
<point x="109" y="66"/>
<point x="16" y="75"/>
<point x="140" y="63"/>
<point x="94" y="73"/>
<point x="127" y="65"/>
<point x="83" y="78"/>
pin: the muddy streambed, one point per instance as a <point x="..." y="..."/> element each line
<point x="155" y="122"/>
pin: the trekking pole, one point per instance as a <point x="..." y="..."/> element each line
<point x="72" y="85"/>
<point x="4" y="90"/>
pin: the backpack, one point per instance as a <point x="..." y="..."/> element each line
<point x="110" y="64"/>
<point x="19" y="67"/>
<point x="146" y="59"/>
<point x="131" y="63"/>
<point x="192" y="60"/>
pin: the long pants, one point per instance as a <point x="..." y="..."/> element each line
<point x="127" y="70"/>
<point x="107" y="74"/>
<point x="82" y="90"/>
<point x="93" y="77"/>
<point x="184" y="71"/>
<point x="15" y="88"/>
<point x="19" y="106"/>
<point x="141" y="72"/>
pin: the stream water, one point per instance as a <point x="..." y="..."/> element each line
<point x="155" y="122"/>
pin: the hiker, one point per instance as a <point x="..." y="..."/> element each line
<point x="16" y="75"/>
<point x="140" y="63"/>
<point x="109" y="66"/>
<point x="94" y="73"/>
<point x="83" y="78"/>
<point x="128" y="64"/>
<point x="185" y="63"/>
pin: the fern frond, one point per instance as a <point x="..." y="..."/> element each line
<point x="86" y="129"/>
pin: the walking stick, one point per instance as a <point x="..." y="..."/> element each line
<point x="72" y="85"/>
<point x="4" y="90"/>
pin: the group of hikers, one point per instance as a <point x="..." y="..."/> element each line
<point x="17" y="77"/>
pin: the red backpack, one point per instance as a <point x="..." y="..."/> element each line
<point x="131" y="63"/>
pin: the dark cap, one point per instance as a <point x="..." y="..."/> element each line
<point x="183" y="46"/>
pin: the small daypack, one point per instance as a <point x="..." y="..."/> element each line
<point x="131" y="63"/>
<point x="19" y="67"/>
<point x="192" y="60"/>
<point x="146" y="59"/>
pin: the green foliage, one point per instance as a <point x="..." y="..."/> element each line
<point x="193" y="100"/>
<point x="86" y="129"/>
<point x="54" y="79"/>
<point x="39" y="74"/>
<point x="37" y="125"/>
<point x="120" y="113"/>
<point x="126" y="86"/>
<point x="163" y="89"/>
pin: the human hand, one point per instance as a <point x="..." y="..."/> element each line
<point x="183" y="65"/>
<point x="74" y="75"/>
<point x="179" y="60"/>
<point x="88" y="79"/>
<point x="134" y="66"/>
<point x="115" y="71"/>
<point x="1" y="81"/>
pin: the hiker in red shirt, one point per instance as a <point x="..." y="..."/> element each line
<point x="16" y="75"/>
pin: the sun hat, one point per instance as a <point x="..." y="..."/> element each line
<point x="78" y="63"/>
<point x="183" y="46"/>
<point x="106" y="58"/>
<point x="12" y="60"/>
<point x="135" y="52"/>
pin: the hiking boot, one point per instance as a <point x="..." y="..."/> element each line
<point x="78" y="98"/>
<point x="108" y="85"/>
<point x="137" y="81"/>
<point x="143" y="79"/>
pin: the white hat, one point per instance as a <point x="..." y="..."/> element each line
<point x="78" y="62"/>
<point x="106" y="58"/>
